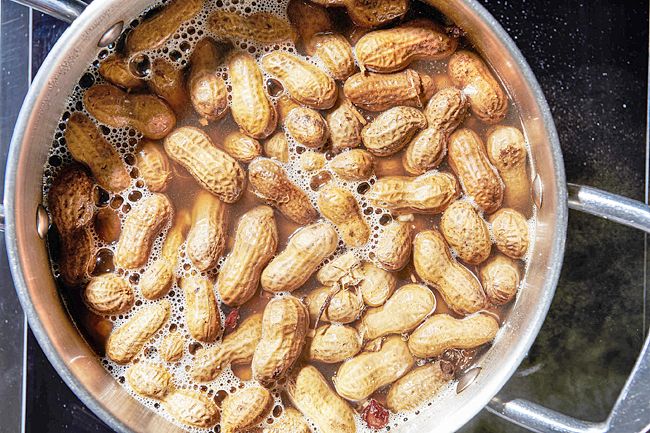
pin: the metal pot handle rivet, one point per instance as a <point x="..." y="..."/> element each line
<point x="42" y="221"/>
<point x="111" y="35"/>
<point x="537" y="190"/>
<point x="467" y="378"/>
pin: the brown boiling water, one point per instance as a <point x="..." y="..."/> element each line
<point x="183" y="189"/>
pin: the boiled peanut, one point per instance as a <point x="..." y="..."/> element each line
<point x="312" y="161"/>
<point x="305" y="83"/>
<point x="124" y="344"/>
<point x="115" y="70"/>
<point x="402" y="312"/>
<point x="435" y="265"/>
<point x="291" y="422"/>
<point x="154" y="32"/>
<point x="466" y="232"/>
<point x="150" y="380"/>
<point x="506" y="149"/>
<point x="255" y="244"/>
<point x="142" y="226"/>
<point x="206" y="87"/>
<point x="444" y="112"/>
<point x="108" y="295"/>
<point x="214" y="169"/>
<point x="70" y="199"/>
<point x="479" y="178"/>
<point x="487" y="99"/>
<point x="332" y="344"/>
<point x="500" y="277"/>
<point x="310" y="393"/>
<point x="356" y="164"/>
<point x="392" y="129"/>
<point x="441" y="332"/>
<point x="394" y="49"/>
<point x="339" y="206"/>
<point x="168" y="82"/>
<point x="429" y="193"/>
<point x="272" y="185"/>
<point x="345" y="124"/>
<point x="417" y="386"/>
<point x="284" y="327"/>
<point x="359" y="377"/>
<point x="371" y="14"/>
<point x="260" y="26"/>
<point x="328" y="304"/>
<point x="376" y="284"/>
<point x="153" y="165"/>
<point x="379" y="92"/>
<point x="202" y="315"/>
<point x="171" y="348"/>
<point x="158" y="278"/>
<point x="333" y="272"/>
<point x="250" y="106"/>
<point x="245" y="409"/>
<point x="394" y="249"/>
<point x="276" y="147"/>
<point x="310" y="19"/>
<point x="77" y="251"/>
<point x="336" y="53"/>
<point x="236" y="348"/>
<point x="192" y="408"/>
<point x="307" y="127"/>
<point x="510" y="233"/>
<point x="242" y="147"/>
<point x="146" y="113"/>
<point x="87" y="145"/>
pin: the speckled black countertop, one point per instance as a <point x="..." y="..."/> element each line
<point x="591" y="60"/>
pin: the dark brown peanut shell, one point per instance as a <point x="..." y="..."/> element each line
<point x="70" y="199"/>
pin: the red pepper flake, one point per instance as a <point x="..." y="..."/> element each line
<point x="231" y="321"/>
<point x="375" y="415"/>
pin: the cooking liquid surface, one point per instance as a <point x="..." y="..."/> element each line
<point x="183" y="189"/>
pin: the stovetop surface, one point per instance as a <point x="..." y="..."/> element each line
<point x="591" y="60"/>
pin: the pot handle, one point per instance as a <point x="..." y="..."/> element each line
<point x="65" y="10"/>
<point x="630" y="412"/>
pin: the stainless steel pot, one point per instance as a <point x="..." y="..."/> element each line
<point x="26" y="223"/>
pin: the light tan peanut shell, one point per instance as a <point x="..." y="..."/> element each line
<point x="270" y="182"/>
<point x="77" y="250"/>
<point x="334" y="271"/>
<point x="276" y="147"/>
<point x="345" y="124"/>
<point x="255" y="244"/>
<point x="171" y="348"/>
<point x="284" y="327"/>
<point x="433" y="262"/>
<point x="500" y="277"/>
<point x="417" y="387"/>
<point x="307" y="84"/>
<point x="311" y="394"/>
<point x="206" y="87"/>
<point x="357" y="378"/>
<point x="88" y="146"/>
<point x="336" y="53"/>
<point x="146" y="113"/>
<point x="394" y="49"/>
<point x="291" y="422"/>
<point x="392" y="130"/>
<point x="506" y="150"/>
<point x="153" y="165"/>
<point x="394" y="249"/>
<point x="192" y="408"/>
<point x="441" y="332"/>
<point x="479" y="178"/>
<point x="142" y="226"/>
<point x="242" y="147"/>
<point x="236" y="348"/>
<point x="356" y="164"/>
<point x="371" y="14"/>
<point x="510" y="231"/>
<point x="339" y="306"/>
<point x="402" y="312"/>
<point x="376" y="284"/>
<point x="466" y="232"/>
<point x="126" y="342"/>
<point x="307" y="248"/>
<point x="109" y="295"/>
<point x="307" y="127"/>
<point x="168" y="82"/>
<point x="444" y="112"/>
<point x="150" y="380"/>
<point x="312" y="161"/>
<point x="259" y="26"/>
<point x="379" y="92"/>
<point x="334" y="343"/>
<point x="339" y="206"/>
<point x="115" y="70"/>
<point x="154" y="32"/>
<point x="429" y="193"/>
<point x="202" y="315"/>
<point x="244" y="409"/>
<point x="70" y="199"/>
<point x="251" y="108"/>
<point x="213" y="168"/>
<point x="487" y="100"/>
